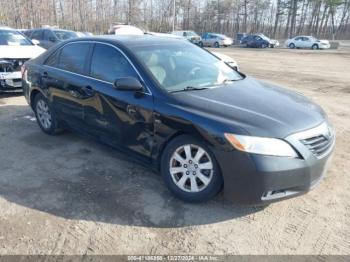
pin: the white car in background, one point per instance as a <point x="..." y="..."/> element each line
<point x="125" y="30"/>
<point x="307" y="42"/>
<point x="15" y="50"/>
<point x="227" y="59"/>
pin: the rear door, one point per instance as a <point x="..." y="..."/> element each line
<point x="65" y="77"/>
<point x="119" y="118"/>
<point x="307" y="43"/>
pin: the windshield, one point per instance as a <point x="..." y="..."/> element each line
<point x="14" y="38"/>
<point x="178" y="66"/>
<point x="191" y="33"/>
<point x="64" y="35"/>
<point x="264" y="37"/>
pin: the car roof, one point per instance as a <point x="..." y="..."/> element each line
<point x="131" y="40"/>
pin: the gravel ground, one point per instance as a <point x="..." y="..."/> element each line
<point x="68" y="195"/>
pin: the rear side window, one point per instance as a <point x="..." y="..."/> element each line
<point x="108" y="64"/>
<point x="73" y="57"/>
<point x="53" y="59"/>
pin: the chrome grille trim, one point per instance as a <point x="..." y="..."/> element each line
<point x="319" y="140"/>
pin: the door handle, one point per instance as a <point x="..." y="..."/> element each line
<point x="88" y="90"/>
<point x="44" y="75"/>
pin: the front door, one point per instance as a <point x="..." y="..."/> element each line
<point x="120" y="118"/>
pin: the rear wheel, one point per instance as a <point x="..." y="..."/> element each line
<point x="292" y="46"/>
<point x="190" y="170"/>
<point x="201" y="44"/>
<point x="45" y="116"/>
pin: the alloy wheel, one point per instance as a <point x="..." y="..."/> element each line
<point x="44" y="114"/>
<point x="191" y="168"/>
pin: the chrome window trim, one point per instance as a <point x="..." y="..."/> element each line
<point x="324" y="129"/>
<point x="89" y="77"/>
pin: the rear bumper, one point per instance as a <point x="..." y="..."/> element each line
<point x="251" y="179"/>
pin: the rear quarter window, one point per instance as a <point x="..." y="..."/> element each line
<point x="73" y="57"/>
<point x="53" y="59"/>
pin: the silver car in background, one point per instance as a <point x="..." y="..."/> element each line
<point x="216" y="40"/>
<point x="191" y="36"/>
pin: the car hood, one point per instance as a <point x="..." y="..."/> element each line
<point x="260" y="109"/>
<point x="29" y="51"/>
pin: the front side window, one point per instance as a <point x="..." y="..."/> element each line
<point x="48" y="35"/>
<point x="108" y="64"/>
<point x="73" y="57"/>
<point x="14" y="38"/>
<point x="37" y="35"/>
<point x="178" y="66"/>
<point x="64" y="35"/>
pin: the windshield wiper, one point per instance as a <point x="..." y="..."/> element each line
<point x="229" y="80"/>
<point x="190" y="88"/>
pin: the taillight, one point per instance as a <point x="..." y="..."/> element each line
<point x="24" y="72"/>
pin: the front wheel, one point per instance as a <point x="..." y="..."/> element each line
<point x="201" y="44"/>
<point x="45" y="116"/>
<point x="190" y="170"/>
<point x="217" y="45"/>
<point x="315" y="47"/>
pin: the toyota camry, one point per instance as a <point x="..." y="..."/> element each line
<point x="204" y="126"/>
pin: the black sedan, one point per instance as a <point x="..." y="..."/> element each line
<point x="184" y="112"/>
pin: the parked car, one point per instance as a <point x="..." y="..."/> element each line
<point x="307" y="42"/>
<point x="227" y="60"/>
<point x="216" y="40"/>
<point x="190" y="36"/>
<point x="184" y="112"/>
<point x="15" y="49"/>
<point x="48" y="37"/>
<point x="260" y="41"/>
<point x="125" y="30"/>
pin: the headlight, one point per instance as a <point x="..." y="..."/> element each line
<point x="261" y="145"/>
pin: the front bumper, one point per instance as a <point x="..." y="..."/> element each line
<point x="251" y="179"/>
<point x="10" y="81"/>
<point x="325" y="46"/>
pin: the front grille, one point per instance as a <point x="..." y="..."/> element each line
<point x="318" y="145"/>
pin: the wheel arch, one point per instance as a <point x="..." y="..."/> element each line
<point x="32" y="96"/>
<point x="195" y="135"/>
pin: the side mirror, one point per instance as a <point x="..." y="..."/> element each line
<point x="35" y="42"/>
<point x="128" y="84"/>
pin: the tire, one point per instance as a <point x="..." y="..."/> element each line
<point x="315" y="47"/>
<point x="291" y="46"/>
<point x="264" y="46"/>
<point x="201" y="44"/>
<point x="45" y="116"/>
<point x="217" y="45"/>
<point x="184" y="176"/>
